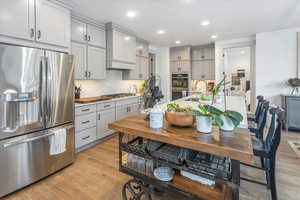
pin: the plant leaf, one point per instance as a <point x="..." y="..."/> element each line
<point x="214" y="110"/>
<point x="218" y="121"/>
<point x="235" y="115"/>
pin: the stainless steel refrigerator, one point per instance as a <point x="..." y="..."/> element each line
<point x="36" y="99"/>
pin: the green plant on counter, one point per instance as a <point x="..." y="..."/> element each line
<point x="217" y="88"/>
<point x="173" y="107"/>
<point x="144" y="86"/>
<point x="205" y="97"/>
<point x="235" y="117"/>
<point x="209" y="111"/>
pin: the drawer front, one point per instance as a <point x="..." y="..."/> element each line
<point x="105" y="106"/>
<point x="127" y="101"/>
<point x="85" y="121"/>
<point x="85" y="110"/>
<point x="85" y="137"/>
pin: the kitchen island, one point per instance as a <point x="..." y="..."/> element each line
<point x="234" y="147"/>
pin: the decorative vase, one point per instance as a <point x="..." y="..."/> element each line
<point x="227" y="123"/>
<point x="204" y="124"/>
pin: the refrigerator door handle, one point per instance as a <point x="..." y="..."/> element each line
<point x="49" y="91"/>
<point x="6" y="145"/>
<point x="43" y="92"/>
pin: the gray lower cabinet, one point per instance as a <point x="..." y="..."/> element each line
<point x="105" y="117"/>
<point x="91" y="121"/>
<point x="291" y="104"/>
<point x="85" y="137"/>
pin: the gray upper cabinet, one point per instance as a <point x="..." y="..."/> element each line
<point x="181" y="66"/>
<point x="203" y="62"/>
<point x="52" y="24"/>
<point x="37" y="20"/>
<point x="80" y="60"/>
<point x="203" y="70"/>
<point x="141" y="71"/>
<point x="88" y="34"/>
<point x="88" y="47"/>
<point x="203" y="53"/>
<point x="96" y="36"/>
<point x="96" y="63"/>
<point x="78" y="31"/>
<point x="180" y="53"/>
<point x="20" y="20"/>
<point x="121" y="48"/>
<point x="180" y="59"/>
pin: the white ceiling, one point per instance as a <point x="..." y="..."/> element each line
<point x="182" y="18"/>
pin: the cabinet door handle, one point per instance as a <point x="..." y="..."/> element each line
<point x="85" y="122"/>
<point x="85" y="138"/>
<point x="89" y="38"/>
<point x="86" y="74"/>
<point x="99" y="116"/>
<point x="32" y="32"/>
<point x="107" y="106"/>
<point x="84" y="110"/>
<point x="85" y="38"/>
<point x="39" y="34"/>
<point x="90" y="74"/>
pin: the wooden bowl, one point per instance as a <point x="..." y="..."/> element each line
<point x="180" y="119"/>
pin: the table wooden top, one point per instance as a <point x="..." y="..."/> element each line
<point x="235" y="145"/>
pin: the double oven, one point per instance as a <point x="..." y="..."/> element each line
<point x="180" y="85"/>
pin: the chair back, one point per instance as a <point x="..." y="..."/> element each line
<point x="274" y="133"/>
<point x="260" y="100"/>
<point x="262" y="119"/>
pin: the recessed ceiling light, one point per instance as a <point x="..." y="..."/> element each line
<point x="127" y="38"/>
<point x="177" y="42"/>
<point x="242" y="52"/>
<point x="205" y="23"/>
<point x="213" y="36"/>
<point x="160" y="32"/>
<point x="131" y="14"/>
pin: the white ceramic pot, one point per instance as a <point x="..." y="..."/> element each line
<point x="227" y="123"/>
<point x="204" y="124"/>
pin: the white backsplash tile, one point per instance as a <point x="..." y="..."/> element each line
<point x="112" y="84"/>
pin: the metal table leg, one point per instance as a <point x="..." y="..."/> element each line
<point x="235" y="164"/>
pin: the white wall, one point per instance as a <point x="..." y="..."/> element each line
<point x="163" y="70"/>
<point x="276" y="62"/>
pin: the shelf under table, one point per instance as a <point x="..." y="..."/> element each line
<point x="184" y="186"/>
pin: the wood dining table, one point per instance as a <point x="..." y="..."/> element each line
<point x="235" y="145"/>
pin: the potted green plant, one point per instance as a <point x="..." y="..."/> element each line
<point x="205" y="99"/>
<point x="230" y="120"/>
<point x="179" y="116"/>
<point x="205" y="116"/>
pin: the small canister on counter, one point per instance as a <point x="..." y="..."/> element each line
<point x="156" y="118"/>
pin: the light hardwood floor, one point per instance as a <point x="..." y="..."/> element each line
<point x="95" y="176"/>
